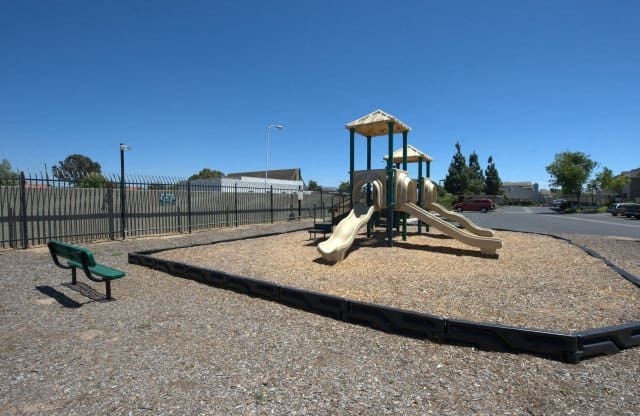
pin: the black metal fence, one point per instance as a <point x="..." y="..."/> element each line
<point x="36" y="208"/>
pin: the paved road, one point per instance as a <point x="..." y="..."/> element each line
<point x="544" y="220"/>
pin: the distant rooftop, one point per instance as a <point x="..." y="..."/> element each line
<point x="631" y="173"/>
<point x="520" y="184"/>
<point x="281" y="174"/>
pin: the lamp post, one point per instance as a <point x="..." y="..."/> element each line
<point x="123" y="148"/>
<point x="266" y="168"/>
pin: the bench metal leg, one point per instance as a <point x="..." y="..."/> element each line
<point x="73" y="275"/>
<point x="108" y="284"/>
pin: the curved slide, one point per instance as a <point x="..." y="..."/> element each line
<point x="334" y="248"/>
<point x="460" y="219"/>
<point x="487" y="245"/>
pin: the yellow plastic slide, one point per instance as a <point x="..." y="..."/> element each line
<point x="487" y="245"/>
<point x="334" y="248"/>
<point x="460" y="219"/>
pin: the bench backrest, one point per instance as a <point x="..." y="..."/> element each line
<point x="71" y="252"/>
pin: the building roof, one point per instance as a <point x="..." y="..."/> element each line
<point x="377" y="124"/>
<point x="520" y="184"/>
<point x="631" y="173"/>
<point x="281" y="174"/>
<point x="413" y="155"/>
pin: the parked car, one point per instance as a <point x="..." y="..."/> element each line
<point x="560" y="204"/>
<point x="631" y="210"/>
<point x="621" y="209"/>
<point x="474" y="204"/>
<point x="613" y="208"/>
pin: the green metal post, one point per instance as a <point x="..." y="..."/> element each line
<point x="420" y="192"/>
<point x="352" y="162"/>
<point x="428" y="176"/>
<point x="390" y="188"/>
<point x="404" y="150"/>
<point x="369" y="184"/>
<point x="404" y="167"/>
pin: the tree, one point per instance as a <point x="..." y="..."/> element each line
<point x="605" y="181"/>
<point x="457" y="180"/>
<point x="7" y="176"/>
<point x="313" y="186"/>
<point x="493" y="183"/>
<point x="75" y="167"/>
<point x="570" y="171"/>
<point x="206" y="173"/>
<point x="95" y="180"/>
<point x="344" y="187"/>
<point x="476" y="178"/>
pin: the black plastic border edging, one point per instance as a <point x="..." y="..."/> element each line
<point x="571" y="348"/>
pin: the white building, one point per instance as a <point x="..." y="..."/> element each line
<point x="521" y="191"/>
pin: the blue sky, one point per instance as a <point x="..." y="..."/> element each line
<point x="194" y="84"/>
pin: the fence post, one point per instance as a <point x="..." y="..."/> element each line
<point x="23" y="210"/>
<point x="235" y="198"/>
<point x="123" y="218"/>
<point x="189" y="205"/>
<point x="271" y="204"/>
<point x="110" y="213"/>
<point x="13" y="234"/>
<point x="322" y="204"/>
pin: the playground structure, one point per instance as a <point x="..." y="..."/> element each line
<point x="392" y="191"/>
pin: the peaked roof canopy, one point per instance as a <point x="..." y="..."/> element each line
<point x="377" y="124"/>
<point x="413" y="155"/>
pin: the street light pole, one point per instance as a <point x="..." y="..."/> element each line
<point x="266" y="167"/>
<point x="123" y="219"/>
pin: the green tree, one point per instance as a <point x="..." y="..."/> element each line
<point x="344" y="186"/>
<point x="605" y="181"/>
<point x="493" y="183"/>
<point x="570" y="171"/>
<point x="476" y="178"/>
<point x="75" y="167"/>
<point x="313" y="186"/>
<point x="457" y="179"/>
<point x="95" y="180"/>
<point x="206" y="173"/>
<point x="7" y="176"/>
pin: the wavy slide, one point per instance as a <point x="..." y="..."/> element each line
<point x="487" y="245"/>
<point x="460" y="219"/>
<point x="334" y="248"/>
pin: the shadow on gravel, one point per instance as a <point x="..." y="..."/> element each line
<point x="59" y="297"/>
<point x="444" y="250"/>
<point x="87" y="291"/>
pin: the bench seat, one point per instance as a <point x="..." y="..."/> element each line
<point x="106" y="272"/>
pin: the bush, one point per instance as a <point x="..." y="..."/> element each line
<point x="446" y="199"/>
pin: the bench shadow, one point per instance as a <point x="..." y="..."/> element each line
<point x="59" y="297"/>
<point x="82" y="288"/>
<point x="87" y="291"/>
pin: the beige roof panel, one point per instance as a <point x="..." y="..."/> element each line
<point x="377" y="124"/>
<point x="413" y="155"/>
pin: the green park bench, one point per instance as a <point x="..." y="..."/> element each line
<point x="82" y="258"/>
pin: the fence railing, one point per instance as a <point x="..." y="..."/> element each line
<point x="36" y="208"/>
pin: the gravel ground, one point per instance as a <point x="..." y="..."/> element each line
<point x="173" y="346"/>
